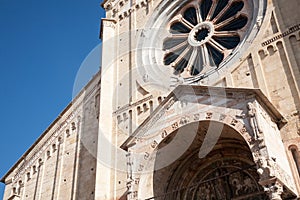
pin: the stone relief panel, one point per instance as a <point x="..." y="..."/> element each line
<point x="226" y="180"/>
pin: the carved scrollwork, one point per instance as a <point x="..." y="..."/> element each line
<point x="164" y="134"/>
<point x="146" y="156"/>
<point x="154" y="144"/>
<point x="175" y="126"/>
<point x="209" y="115"/>
<point x="196" y="117"/>
<point x="184" y="120"/>
<point x="222" y="117"/>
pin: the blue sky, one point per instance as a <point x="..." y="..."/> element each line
<point x="42" y="46"/>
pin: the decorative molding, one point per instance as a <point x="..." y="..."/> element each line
<point x="128" y="12"/>
<point x="281" y="35"/>
<point x="200" y="94"/>
<point x="159" y="114"/>
<point x="196" y="117"/>
<point x="128" y="106"/>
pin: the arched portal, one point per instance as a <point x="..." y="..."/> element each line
<point x="226" y="172"/>
<point x="187" y="142"/>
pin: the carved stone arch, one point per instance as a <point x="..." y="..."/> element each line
<point x="247" y="113"/>
<point x="148" y="148"/>
<point x="293" y="37"/>
<point x="293" y="146"/>
<point x="279" y="44"/>
<point x="239" y="140"/>
<point x="295" y="157"/>
<point x="147" y="163"/>
<point x="272" y="48"/>
<point x="263" y="53"/>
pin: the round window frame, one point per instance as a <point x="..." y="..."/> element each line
<point x="149" y="55"/>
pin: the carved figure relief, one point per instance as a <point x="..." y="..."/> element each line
<point x="254" y="122"/>
<point x="231" y="180"/>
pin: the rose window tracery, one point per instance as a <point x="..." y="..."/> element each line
<point x="202" y="34"/>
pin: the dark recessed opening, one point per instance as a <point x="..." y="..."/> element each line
<point x="201" y="34"/>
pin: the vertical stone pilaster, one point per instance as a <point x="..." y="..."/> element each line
<point x="106" y="152"/>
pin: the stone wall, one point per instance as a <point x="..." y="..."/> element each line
<point x="61" y="163"/>
<point x="270" y="61"/>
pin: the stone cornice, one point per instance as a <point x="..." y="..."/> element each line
<point x="117" y="7"/>
<point x="131" y="105"/>
<point x="281" y="35"/>
<point x="126" y="13"/>
<point x="108" y="23"/>
<point x="181" y="90"/>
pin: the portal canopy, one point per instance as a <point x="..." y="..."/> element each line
<point x="247" y="112"/>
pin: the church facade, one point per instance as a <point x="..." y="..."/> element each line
<point x="195" y="99"/>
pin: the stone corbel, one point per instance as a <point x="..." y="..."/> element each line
<point x="107" y="6"/>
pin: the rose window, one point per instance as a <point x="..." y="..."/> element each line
<point x="202" y="34"/>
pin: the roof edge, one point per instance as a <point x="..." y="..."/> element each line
<point x="2" y="180"/>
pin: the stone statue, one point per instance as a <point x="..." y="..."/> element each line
<point x="254" y="122"/>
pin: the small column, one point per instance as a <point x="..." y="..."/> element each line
<point x="130" y="181"/>
<point x="274" y="190"/>
<point x="133" y="177"/>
